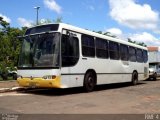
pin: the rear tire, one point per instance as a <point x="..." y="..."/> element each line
<point x="134" y="78"/>
<point x="89" y="82"/>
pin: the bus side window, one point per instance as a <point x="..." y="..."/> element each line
<point x="124" y="52"/>
<point x="132" y="54"/>
<point x="101" y="48"/>
<point x="139" y="56"/>
<point x="114" y="50"/>
<point x="69" y="50"/>
<point x="145" y="56"/>
<point x="88" y="46"/>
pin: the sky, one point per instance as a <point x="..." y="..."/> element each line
<point x="138" y="20"/>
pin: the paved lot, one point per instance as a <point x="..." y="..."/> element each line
<point x="107" y="99"/>
<point x="8" y="84"/>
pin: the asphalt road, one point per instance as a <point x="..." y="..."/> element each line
<point x="107" y="99"/>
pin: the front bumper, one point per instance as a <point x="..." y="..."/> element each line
<point x="40" y="82"/>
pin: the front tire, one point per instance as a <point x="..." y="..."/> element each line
<point x="134" y="78"/>
<point x="89" y="82"/>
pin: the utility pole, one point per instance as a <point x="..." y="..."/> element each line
<point x="37" y="9"/>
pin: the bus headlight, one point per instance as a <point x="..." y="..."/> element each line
<point x="49" y="77"/>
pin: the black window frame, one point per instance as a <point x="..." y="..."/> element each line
<point x="139" y="55"/>
<point x="88" y="45"/>
<point x="66" y="59"/>
<point x="132" y="55"/>
<point x="114" y="50"/>
<point x="145" y="56"/>
<point x="102" y="48"/>
<point x="124" y="52"/>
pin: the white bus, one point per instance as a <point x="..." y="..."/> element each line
<point x="64" y="56"/>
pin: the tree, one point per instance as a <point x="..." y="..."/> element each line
<point x="109" y="34"/>
<point x="3" y="23"/>
<point x="137" y="43"/>
<point x="106" y="33"/>
<point x="100" y="32"/>
<point x="58" y="20"/>
<point x="47" y="21"/>
<point x="9" y="45"/>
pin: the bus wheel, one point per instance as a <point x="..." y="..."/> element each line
<point x="89" y="81"/>
<point x="134" y="78"/>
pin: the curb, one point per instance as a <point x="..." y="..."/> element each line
<point x="3" y="90"/>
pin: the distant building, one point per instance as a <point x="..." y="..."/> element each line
<point x="154" y="54"/>
<point x="154" y="62"/>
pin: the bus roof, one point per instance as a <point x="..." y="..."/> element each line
<point x="88" y="32"/>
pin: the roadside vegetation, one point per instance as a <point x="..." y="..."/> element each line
<point x="9" y="48"/>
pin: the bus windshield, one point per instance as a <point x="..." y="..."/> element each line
<point x="40" y="50"/>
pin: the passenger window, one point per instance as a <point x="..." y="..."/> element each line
<point x="139" y="55"/>
<point x="124" y="52"/>
<point x="114" y="50"/>
<point x="70" y="50"/>
<point x="145" y="56"/>
<point x="132" y="54"/>
<point x="101" y="48"/>
<point x="88" y="46"/>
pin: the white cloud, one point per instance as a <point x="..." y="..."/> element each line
<point x="52" y="5"/>
<point x="133" y="15"/>
<point x="157" y="31"/>
<point x="115" y="31"/>
<point x="25" y="23"/>
<point x="147" y="38"/>
<point x="5" y="18"/>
